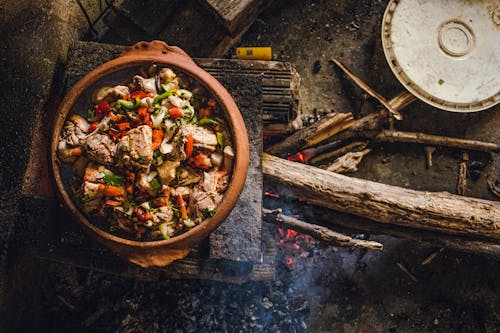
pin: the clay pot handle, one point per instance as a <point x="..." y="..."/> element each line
<point x="156" y="47"/>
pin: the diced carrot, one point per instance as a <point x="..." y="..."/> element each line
<point x="142" y="111"/>
<point x="204" y="113"/>
<point x="202" y="161"/>
<point x="175" y="112"/>
<point x="123" y="126"/>
<point x="158" y="135"/>
<point x="76" y="151"/>
<point x="211" y="103"/>
<point x="114" y="191"/>
<point x="130" y="189"/>
<point x="189" y="145"/>
<point x="182" y="206"/>
<point x="115" y="117"/>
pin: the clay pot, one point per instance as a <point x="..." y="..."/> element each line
<point x="142" y="54"/>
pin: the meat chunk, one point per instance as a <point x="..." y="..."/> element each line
<point x="204" y="138"/>
<point x="94" y="172"/>
<point x="165" y="214"/>
<point x="215" y="181"/>
<point x="178" y="151"/>
<point x="92" y="196"/>
<point x="75" y="131"/>
<point x="110" y="94"/>
<point x="187" y="176"/>
<point x="135" y="148"/>
<point x="68" y="154"/>
<point x="101" y="149"/>
<point x="146" y="85"/>
<point x="144" y="181"/>
<point x="201" y="203"/>
<point x="167" y="171"/>
<point x="166" y="75"/>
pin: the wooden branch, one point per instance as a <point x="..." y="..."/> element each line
<point x="350" y="223"/>
<point x="338" y="126"/>
<point x="434" y="140"/>
<point x="351" y="147"/>
<point x="314" y="134"/>
<point x="348" y="162"/>
<point x="395" y="113"/>
<point x="438" y="211"/>
<point x="462" y="175"/>
<point x="494" y="188"/>
<point x="321" y="233"/>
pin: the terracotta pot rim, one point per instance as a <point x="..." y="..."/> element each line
<point x="238" y="129"/>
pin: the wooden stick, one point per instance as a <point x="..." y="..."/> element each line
<point x="338" y="126"/>
<point x="462" y="175"/>
<point x="314" y="134"/>
<point x="348" y="162"/>
<point x="321" y="233"/>
<point x="350" y="223"/>
<point x="494" y="188"/>
<point x="437" y="211"/>
<point x="433" y="140"/>
<point x="353" y="146"/>
<point x="395" y="113"/>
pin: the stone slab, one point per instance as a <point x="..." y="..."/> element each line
<point x="239" y="237"/>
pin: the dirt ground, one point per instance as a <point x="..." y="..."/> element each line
<point x="324" y="289"/>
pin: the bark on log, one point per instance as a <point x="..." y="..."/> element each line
<point x="354" y="224"/>
<point x="435" y="140"/>
<point x="438" y="211"/>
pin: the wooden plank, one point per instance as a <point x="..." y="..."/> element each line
<point x="236" y="14"/>
<point x="152" y="22"/>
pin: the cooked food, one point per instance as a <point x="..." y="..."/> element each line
<point x="152" y="159"/>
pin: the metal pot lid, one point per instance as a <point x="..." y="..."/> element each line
<point x="445" y="52"/>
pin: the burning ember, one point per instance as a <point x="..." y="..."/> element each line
<point x="272" y="195"/>
<point x="294" y="244"/>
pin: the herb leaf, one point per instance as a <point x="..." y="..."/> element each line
<point x="110" y="179"/>
<point x="209" y="213"/>
<point x="155" y="184"/>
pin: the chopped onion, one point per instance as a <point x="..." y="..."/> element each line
<point x="145" y="205"/>
<point x="186" y="94"/>
<point x="157" y="120"/>
<point x="151" y="176"/>
<point x="188" y="223"/>
<point x="176" y="101"/>
<point x="217" y="158"/>
<point x="166" y="148"/>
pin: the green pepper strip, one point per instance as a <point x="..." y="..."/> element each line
<point x="163" y="96"/>
<point x="208" y="121"/>
<point x="220" y="140"/>
<point x="126" y="104"/>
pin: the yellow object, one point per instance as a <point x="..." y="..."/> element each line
<point x="254" y="53"/>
